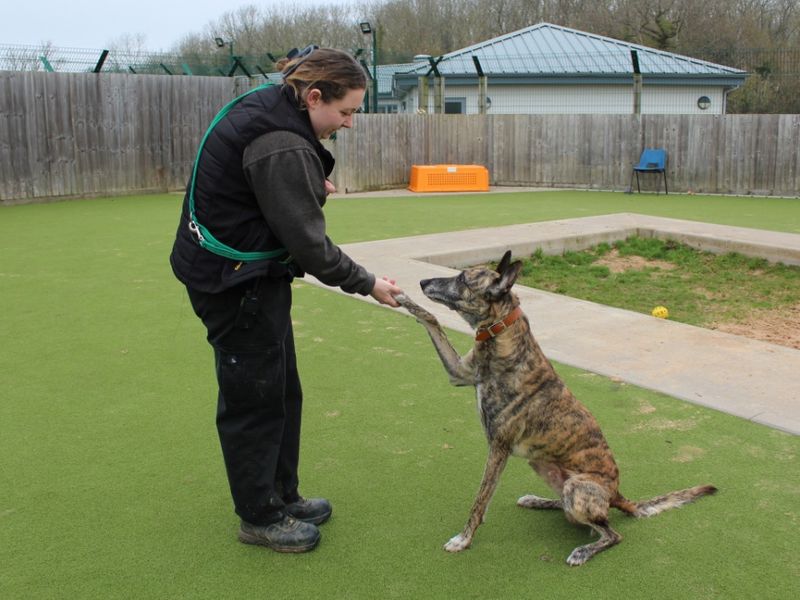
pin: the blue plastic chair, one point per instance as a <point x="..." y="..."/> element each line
<point x="653" y="160"/>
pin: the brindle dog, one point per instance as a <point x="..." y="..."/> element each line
<point x="527" y="411"/>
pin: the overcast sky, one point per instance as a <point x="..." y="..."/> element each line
<point x="97" y="23"/>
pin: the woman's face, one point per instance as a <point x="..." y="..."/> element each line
<point x="328" y="117"/>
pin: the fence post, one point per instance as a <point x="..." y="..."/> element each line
<point x="637" y="84"/>
<point x="483" y="87"/>
<point x="438" y="90"/>
<point x="422" y="90"/>
<point x="438" y="95"/>
<point x="46" y="63"/>
<point x="367" y="103"/>
<point x="236" y="63"/>
<point x="101" y="61"/>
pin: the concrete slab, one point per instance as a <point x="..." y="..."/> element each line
<point x="747" y="378"/>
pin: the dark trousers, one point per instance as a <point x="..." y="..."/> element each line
<point x="260" y="401"/>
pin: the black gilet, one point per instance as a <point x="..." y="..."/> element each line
<point x="224" y="202"/>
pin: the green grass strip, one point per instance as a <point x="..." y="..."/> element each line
<point x="699" y="288"/>
<point x="363" y="219"/>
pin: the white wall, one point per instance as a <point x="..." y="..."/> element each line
<point x="581" y="99"/>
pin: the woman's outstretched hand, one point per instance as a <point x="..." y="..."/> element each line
<point x="385" y="290"/>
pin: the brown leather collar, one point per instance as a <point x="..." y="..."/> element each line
<point x="484" y="333"/>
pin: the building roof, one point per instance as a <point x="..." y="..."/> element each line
<point x="386" y="75"/>
<point x="545" y="52"/>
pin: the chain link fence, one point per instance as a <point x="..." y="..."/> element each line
<point x="87" y="60"/>
<point x="772" y="85"/>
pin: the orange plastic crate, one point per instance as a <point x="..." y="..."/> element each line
<point x="449" y="178"/>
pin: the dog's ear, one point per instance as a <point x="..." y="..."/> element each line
<point x="504" y="262"/>
<point x="507" y="278"/>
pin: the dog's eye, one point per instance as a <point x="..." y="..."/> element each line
<point x="464" y="282"/>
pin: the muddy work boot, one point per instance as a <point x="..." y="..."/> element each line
<point x="288" y="535"/>
<point x="310" y="510"/>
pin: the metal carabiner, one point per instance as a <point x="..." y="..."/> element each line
<point x="196" y="232"/>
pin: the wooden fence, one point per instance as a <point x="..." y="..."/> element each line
<point x="727" y="154"/>
<point x="81" y="134"/>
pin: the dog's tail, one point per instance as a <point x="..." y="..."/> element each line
<point x="653" y="506"/>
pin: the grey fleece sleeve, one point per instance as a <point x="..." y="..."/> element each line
<point x="287" y="177"/>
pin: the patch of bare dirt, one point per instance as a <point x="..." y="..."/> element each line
<point x="777" y="326"/>
<point x="780" y="326"/>
<point x="620" y="264"/>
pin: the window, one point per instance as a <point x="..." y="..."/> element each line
<point x="455" y="106"/>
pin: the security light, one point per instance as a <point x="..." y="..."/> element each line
<point x="366" y="28"/>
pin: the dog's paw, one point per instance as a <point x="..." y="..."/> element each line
<point x="422" y="315"/>
<point x="531" y="501"/>
<point x="579" y="556"/>
<point x="457" y="543"/>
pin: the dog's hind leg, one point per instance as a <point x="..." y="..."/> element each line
<point x="586" y="501"/>
<point x="608" y="538"/>
<point x="555" y="477"/>
<point x="495" y="464"/>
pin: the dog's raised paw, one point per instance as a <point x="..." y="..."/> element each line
<point x="415" y="309"/>
<point x="457" y="543"/>
<point x="403" y="300"/>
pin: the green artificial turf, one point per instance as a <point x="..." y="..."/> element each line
<point x="363" y="219"/>
<point x="112" y="483"/>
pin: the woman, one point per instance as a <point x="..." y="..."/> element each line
<point x="252" y="220"/>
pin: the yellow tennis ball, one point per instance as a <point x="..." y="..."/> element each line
<point x="660" y="312"/>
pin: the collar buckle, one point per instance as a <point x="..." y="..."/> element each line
<point x="501" y="324"/>
<point x="495" y="329"/>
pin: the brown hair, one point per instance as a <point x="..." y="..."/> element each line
<point x="332" y="72"/>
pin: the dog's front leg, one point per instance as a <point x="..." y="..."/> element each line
<point x="459" y="369"/>
<point x="495" y="464"/>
